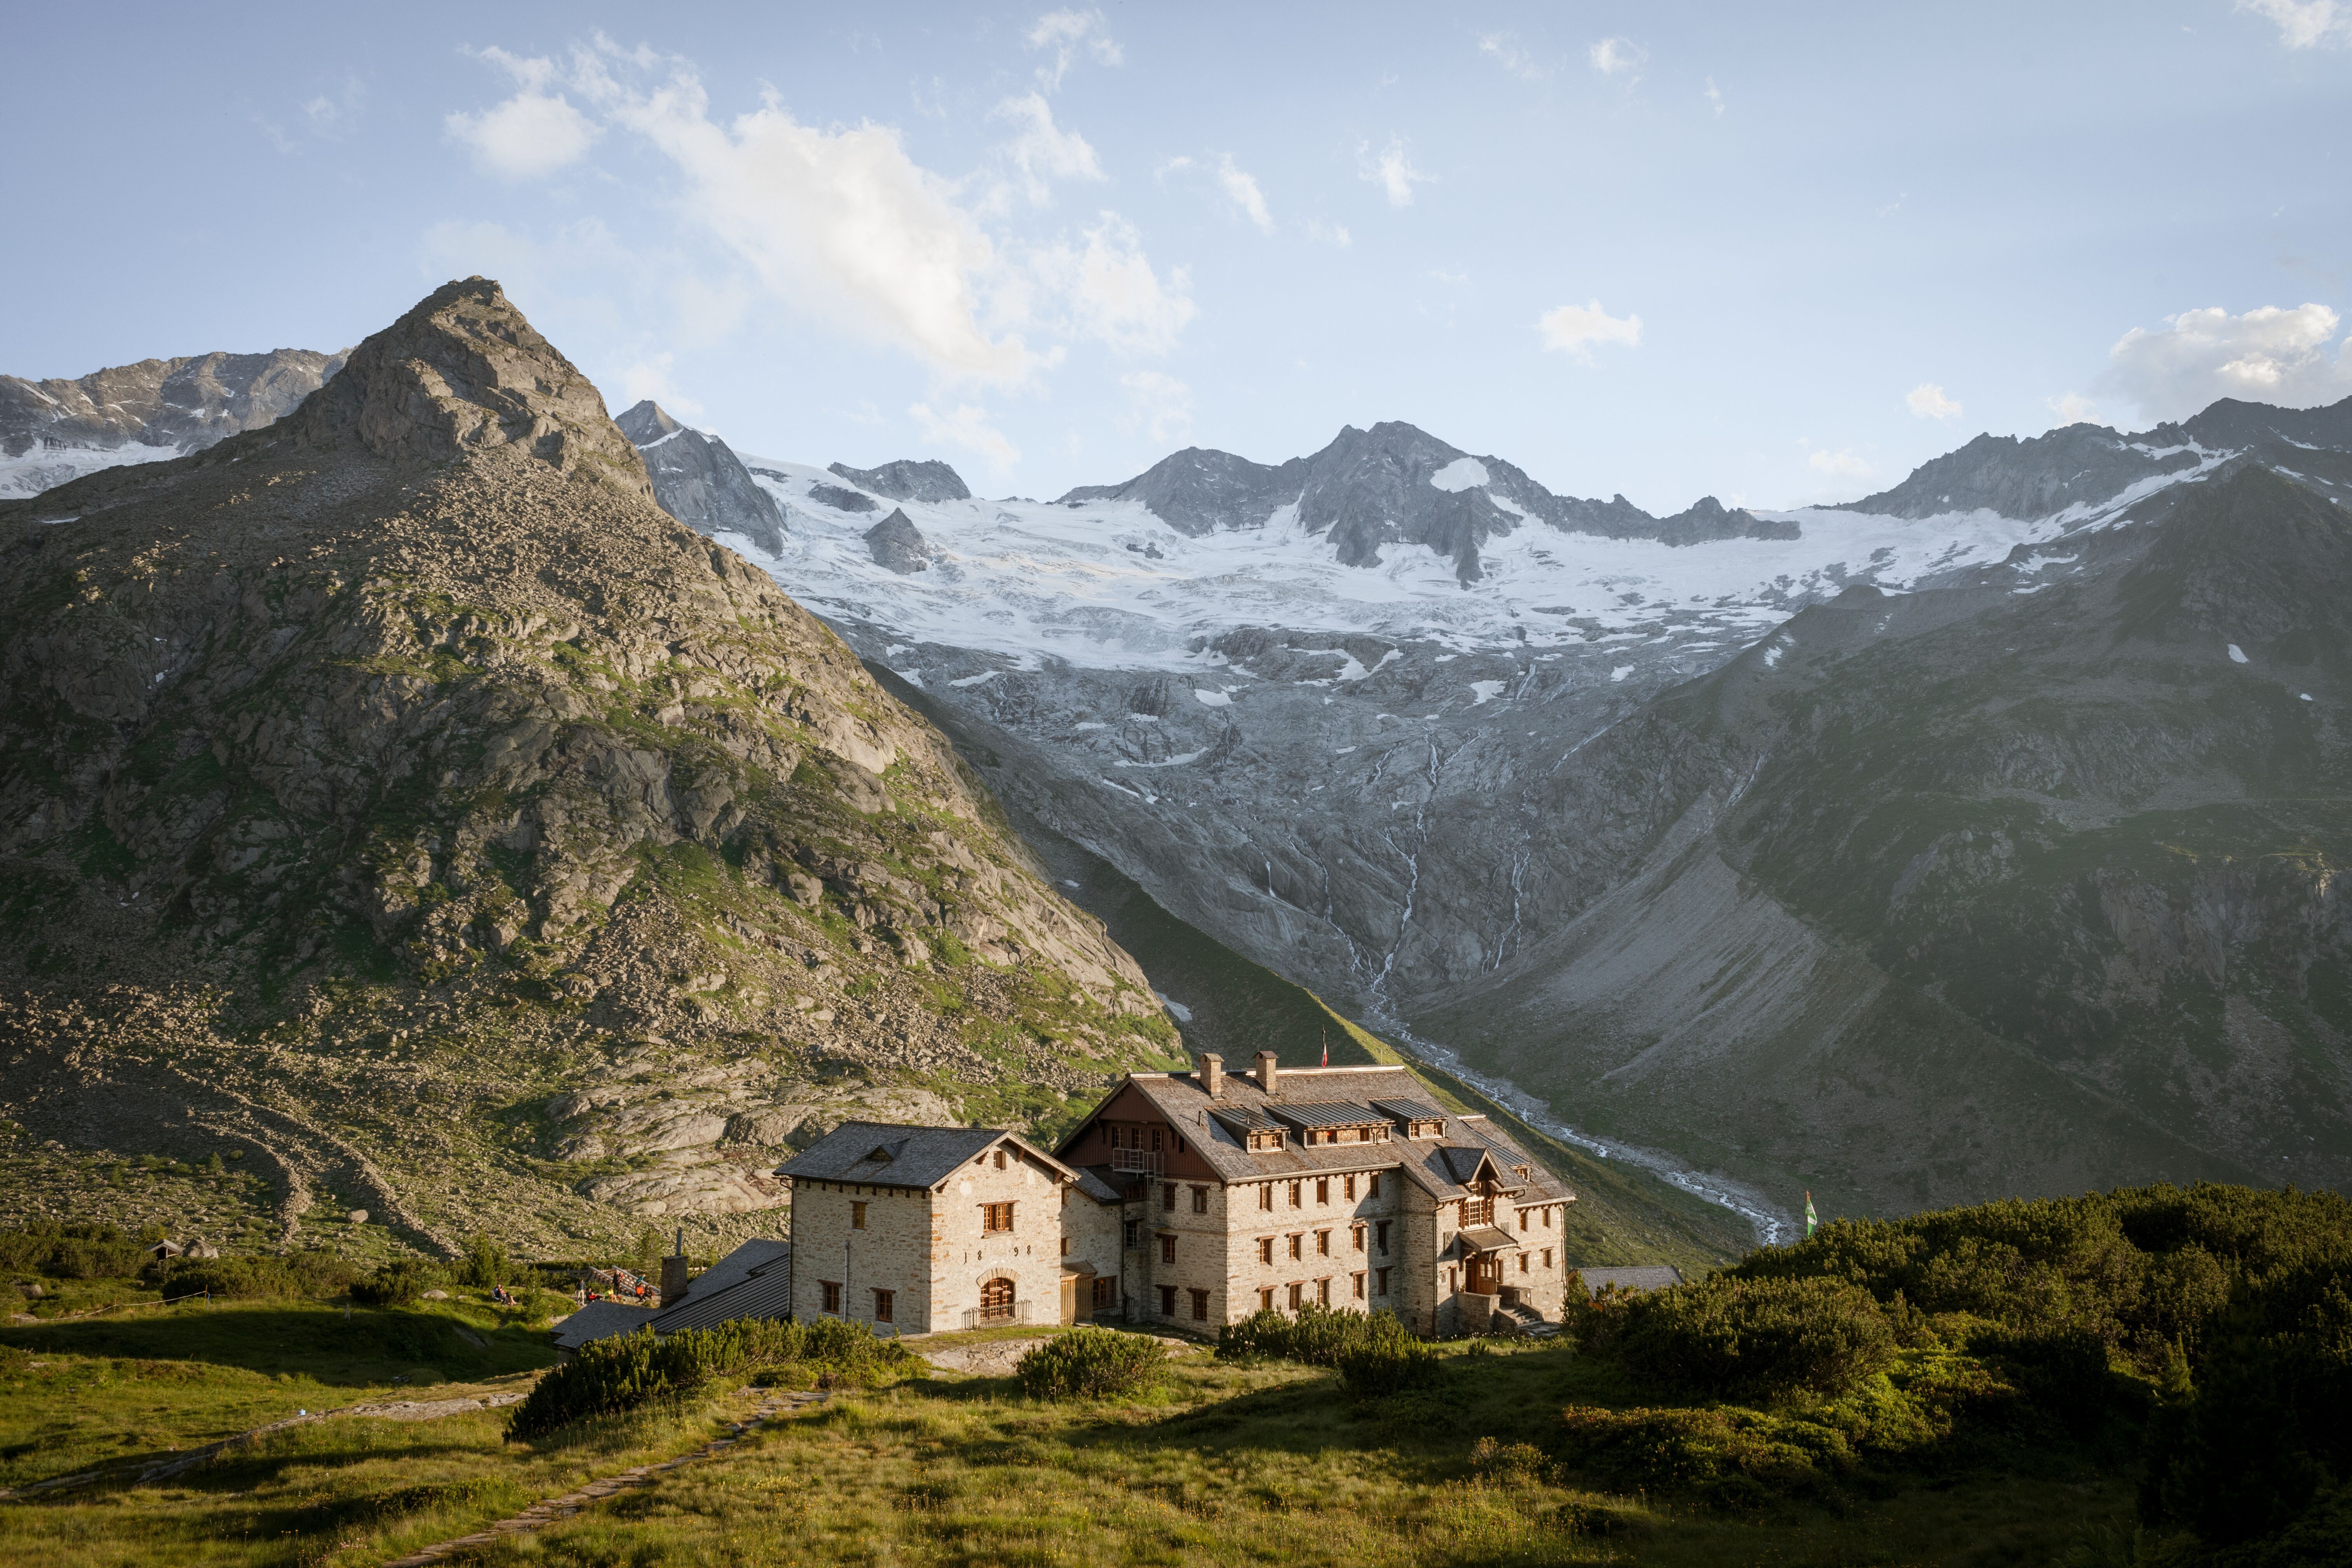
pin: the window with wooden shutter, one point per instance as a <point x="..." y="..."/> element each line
<point x="1266" y="1250"/>
<point x="1200" y="1306"/>
<point x="884" y="1302"/>
<point x="1372" y="1185"/>
<point x="1168" y="1196"/>
<point x="1167" y="1249"/>
<point x="1297" y="1295"/>
<point x="858" y="1216"/>
<point x="1322" y="1243"/>
<point x="1265" y="1195"/>
<point x="1358" y="1278"/>
<point x="1200" y="1200"/>
<point x="995" y="1217"/>
<point x="1298" y="1243"/>
<point x="1322" y="1189"/>
<point x="1265" y="1298"/>
<point x="831" y="1291"/>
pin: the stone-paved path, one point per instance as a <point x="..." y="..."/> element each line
<point x="540" y="1515"/>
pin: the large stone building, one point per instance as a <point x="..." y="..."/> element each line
<point x="1190" y="1198"/>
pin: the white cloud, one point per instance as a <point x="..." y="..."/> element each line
<point x="1043" y="151"/>
<point x="1714" y="96"/>
<point x="1928" y="401"/>
<point x="1243" y="192"/>
<point x="841" y="222"/>
<point x="1112" y="294"/>
<point x="2074" y="408"/>
<point x="1068" y="35"/>
<point x="1574" y="329"/>
<point x="533" y="134"/>
<point x="1392" y="170"/>
<point x="650" y="378"/>
<point x="1616" y="56"/>
<point x="1843" y="464"/>
<point x="1330" y="233"/>
<point x="1505" y="50"/>
<point x="1160" y="403"/>
<point x="2305" y="23"/>
<point x="2267" y="355"/>
<point x="967" y="426"/>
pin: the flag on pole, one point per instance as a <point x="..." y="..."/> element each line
<point x="1327" y="1045"/>
<point x="1810" y="1223"/>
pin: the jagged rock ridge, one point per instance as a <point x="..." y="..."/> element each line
<point x="52" y="431"/>
<point x="1396" y="484"/>
<point x="928" y="480"/>
<point x="698" y="479"/>
<point x="2078" y="464"/>
<point x="398" y="792"/>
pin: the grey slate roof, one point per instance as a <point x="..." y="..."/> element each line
<point x="755" y="1281"/>
<point x="911" y="1156"/>
<point x="1181" y="1099"/>
<point x="893" y="1155"/>
<point x="1409" y="1109"/>
<point x="600" y="1320"/>
<point x="1656" y="1277"/>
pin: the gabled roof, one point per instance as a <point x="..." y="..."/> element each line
<point x="1373" y="1093"/>
<point x="755" y="1281"/>
<point x="600" y="1320"/>
<point x="891" y="1154"/>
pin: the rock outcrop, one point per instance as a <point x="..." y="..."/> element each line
<point x="929" y="481"/>
<point x="53" y="431"/>
<point x="898" y="545"/>
<point x="379" y="782"/>
<point x="698" y="479"/>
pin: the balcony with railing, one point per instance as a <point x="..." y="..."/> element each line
<point x="1136" y="1161"/>
<point x="990" y="1314"/>
<point x="1477" y="1211"/>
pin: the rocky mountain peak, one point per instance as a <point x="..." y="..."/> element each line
<point x="464" y="372"/>
<point x="927" y="483"/>
<point x="698" y="480"/>
<point x="409" y="771"/>
<point x="898" y="545"/>
<point x="647" y="423"/>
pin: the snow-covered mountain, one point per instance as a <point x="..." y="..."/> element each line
<point x="53" y="431"/>
<point x="1344" y="729"/>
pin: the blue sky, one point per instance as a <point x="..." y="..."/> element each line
<point x="1778" y="254"/>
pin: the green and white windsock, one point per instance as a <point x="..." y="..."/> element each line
<point x="1811" y="1223"/>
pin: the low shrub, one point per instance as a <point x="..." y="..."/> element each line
<point x="313" y="1274"/>
<point x="72" y="1251"/>
<point x="1769" y="1339"/>
<point x="1315" y="1335"/>
<point x="1385" y="1362"/>
<point x="1091" y="1364"/>
<point x="1732" y="1457"/>
<point x="612" y="1376"/>
<point x="399" y="1283"/>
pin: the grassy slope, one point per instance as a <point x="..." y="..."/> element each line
<point x="1226" y="1464"/>
<point x="1240" y="1007"/>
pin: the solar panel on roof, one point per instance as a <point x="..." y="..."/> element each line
<point x="1326" y="1113"/>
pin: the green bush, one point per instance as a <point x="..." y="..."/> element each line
<point x="485" y="1264"/>
<point x="1315" y="1335"/>
<point x="72" y="1251"/>
<point x="1091" y="1364"/>
<point x="611" y="1376"/>
<point x="1386" y="1363"/>
<point x="399" y="1283"/>
<point x="1756" y="1339"/>
<point x="315" y="1274"/>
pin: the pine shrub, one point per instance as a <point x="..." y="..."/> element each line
<point x="399" y="1283"/>
<point x="609" y="1376"/>
<point x="1756" y="1339"/>
<point x="1091" y="1364"/>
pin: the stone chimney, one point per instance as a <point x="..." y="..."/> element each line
<point x="1210" y="1071"/>
<point x="674" y="1276"/>
<point x="1268" y="1080"/>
